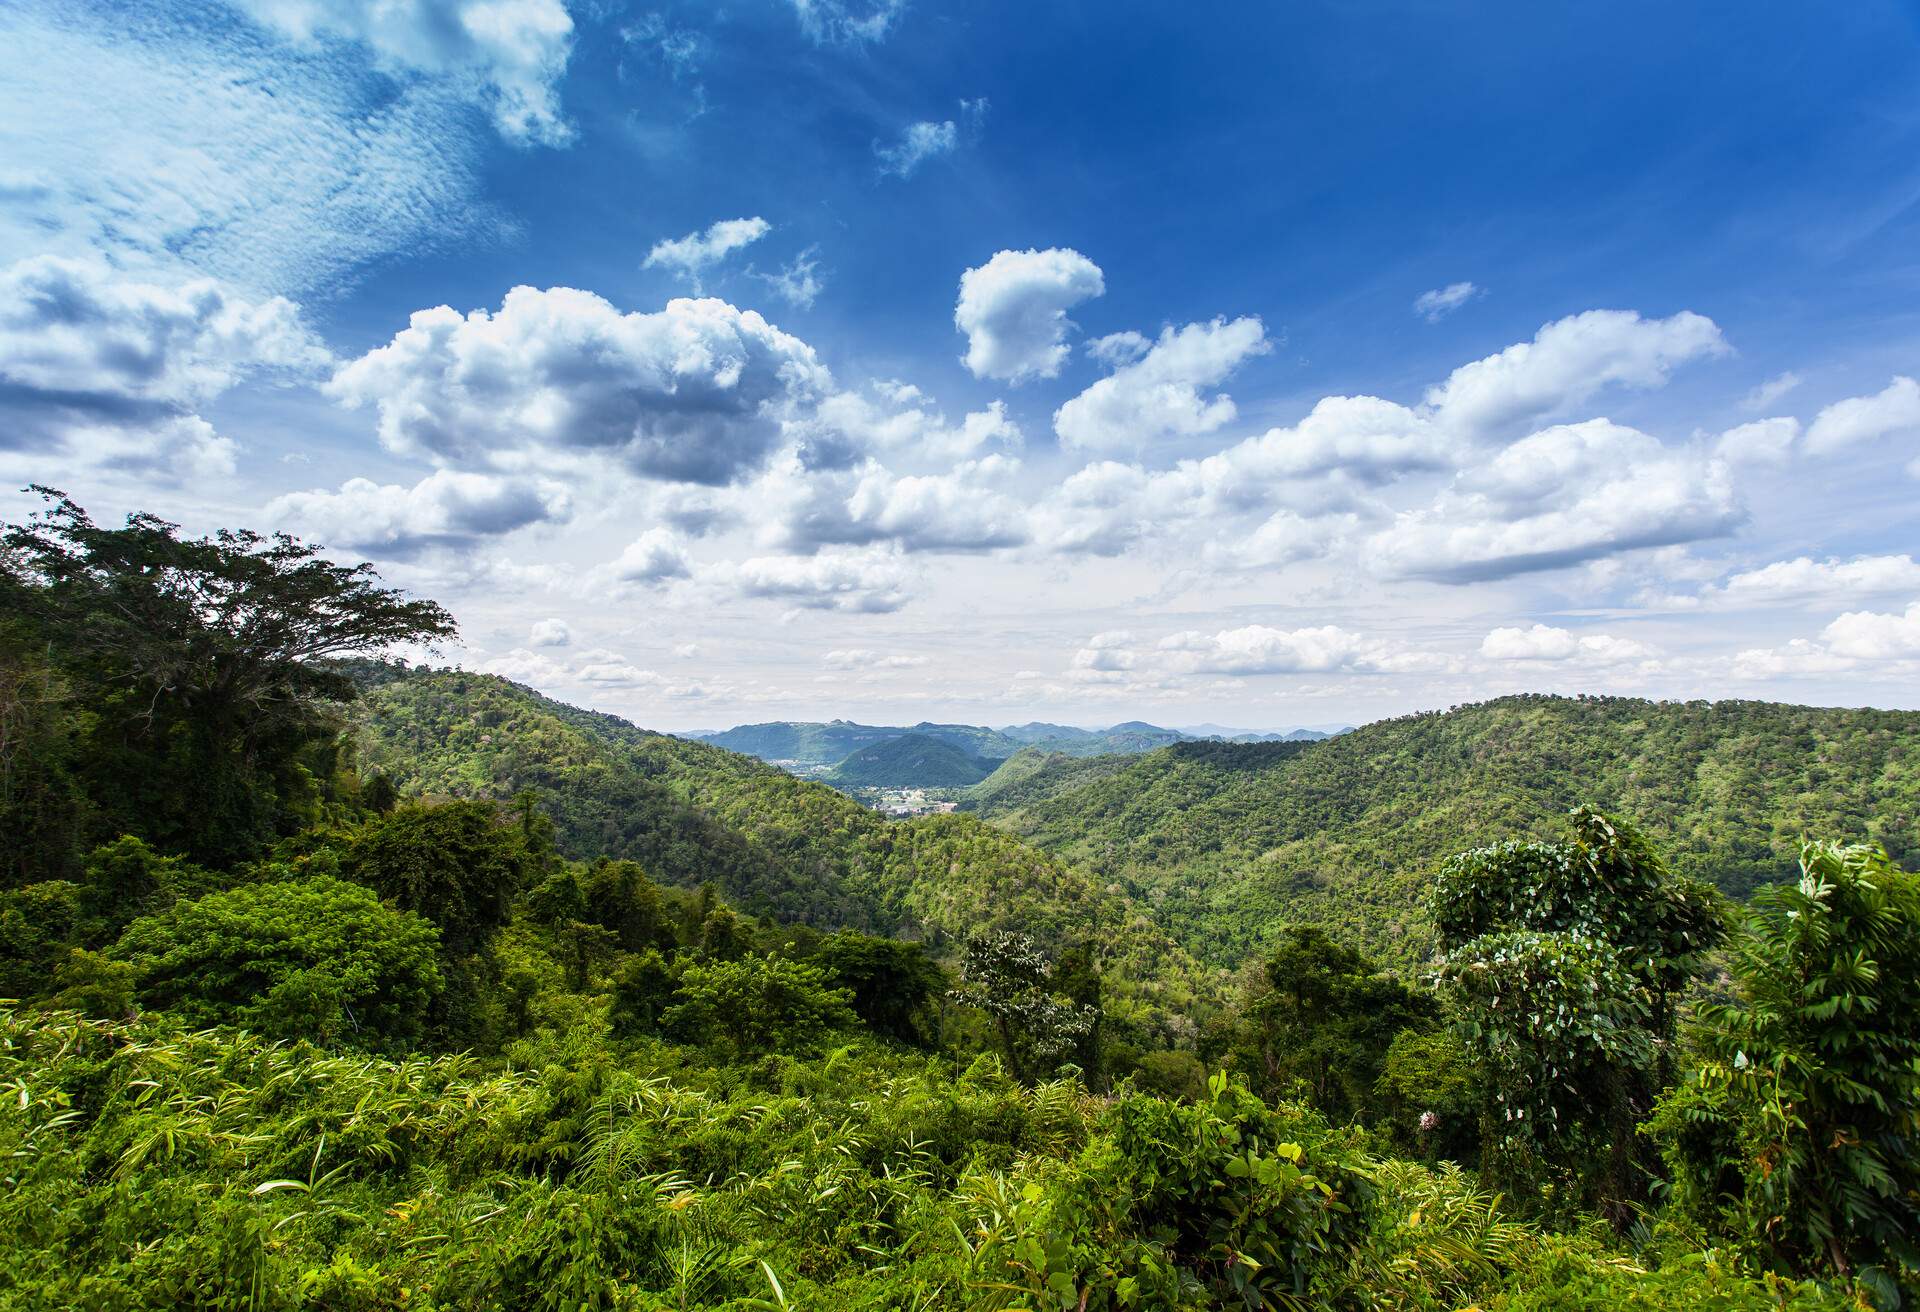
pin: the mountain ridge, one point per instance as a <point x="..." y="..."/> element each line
<point x="774" y="844"/>
<point x="1210" y="844"/>
<point x="819" y="747"/>
<point x="1227" y="841"/>
<point x="924" y="759"/>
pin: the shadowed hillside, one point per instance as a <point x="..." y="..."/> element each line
<point x="773" y="844"/>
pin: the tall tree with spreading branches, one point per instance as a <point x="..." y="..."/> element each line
<point x="202" y="665"/>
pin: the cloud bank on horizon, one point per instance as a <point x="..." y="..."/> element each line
<point x="728" y="366"/>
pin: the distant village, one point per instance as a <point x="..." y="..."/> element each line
<point x="903" y="802"/>
<point x="899" y="803"/>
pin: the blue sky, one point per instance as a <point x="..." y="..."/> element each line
<point x="1269" y="364"/>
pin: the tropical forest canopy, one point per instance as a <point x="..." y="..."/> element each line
<point x="338" y="983"/>
<point x="1226" y="842"/>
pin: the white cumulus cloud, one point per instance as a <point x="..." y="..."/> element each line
<point x="1260" y="649"/>
<point x="1762" y="442"/>
<point x="1162" y="395"/>
<point x="1567" y="362"/>
<point x="1892" y="412"/>
<point x="1805" y="579"/>
<point x="1361" y="438"/>
<point x="1106" y="653"/>
<point x="693" y="393"/>
<point x="656" y="556"/>
<point x="1543" y="642"/>
<point x="73" y="327"/>
<point x="1868" y="642"/>
<point x="902" y="422"/>
<point x="171" y="452"/>
<point x="550" y="633"/>
<point x="1013" y="310"/>
<point x="1875" y="636"/>
<point x="445" y="509"/>
<point x="102" y="371"/>
<point x="963" y="509"/>
<point x="1562" y="496"/>
<point x="870" y="580"/>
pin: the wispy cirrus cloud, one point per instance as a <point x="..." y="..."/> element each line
<point x="1435" y="305"/>
<point x="928" y="139"/>
<point x="508" y="54"/>
<point x="174" y="144"/>
<point x="847" y="22"/>
<point x="692" y="255"/>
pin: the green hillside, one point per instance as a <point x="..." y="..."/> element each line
<point x="801" y="742"/>
<point x="1023" y="765"/>
<point x="278" y="1036"/>
<point x="1227" y="842"/>
<point x="972" y="739"/>
<point x="914" y="760"/>
<point x="806" y="743"/>
<point x="775" y="845"/>
<point x="1038" y="731"/>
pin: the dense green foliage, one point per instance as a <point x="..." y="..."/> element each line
<point x="545" y="1011"/>
<point x="1036" y="1023"/>
<point x="1803" y="1124"/>
<point x="1225" y="843"/>
<point x="915" y="759"/>
<point x="772" y="844"/>
<point x="458" y="865"/>
<point x="171" y="688"/>
<point x="1017" y="769"/>
<point x="758" y="1005"/>
<point x="1317" y="1022"/>
<point x="311" y="958"/>
<point x="151" y="1168"/>
<point x="1565" y="962"/>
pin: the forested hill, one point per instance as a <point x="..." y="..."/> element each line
<point x="838" y="742"/>
<point x="1229" y="841"/>
<point x="927" y="761"/>
<point x="773" y="844"/>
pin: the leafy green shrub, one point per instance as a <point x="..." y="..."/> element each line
<point x="1802" y="1131"/>
<point x="1216" y="1202"/>
<point x="38" y="924"/>
<point x="1566" y="962"/>
<point x="892" y="986"/>
<point x="1427" y="1094"/>
<point x="1170" y="1073"/>
<point x="1558" y="1028"/>
<point x="1006" y="976"/>
<point x="314" y="958"/>
<point x="1319" y="1020"/>
<point x="757" y="1004"/>
<point x="459" y="864"/>
<point x="126" y="878"/>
